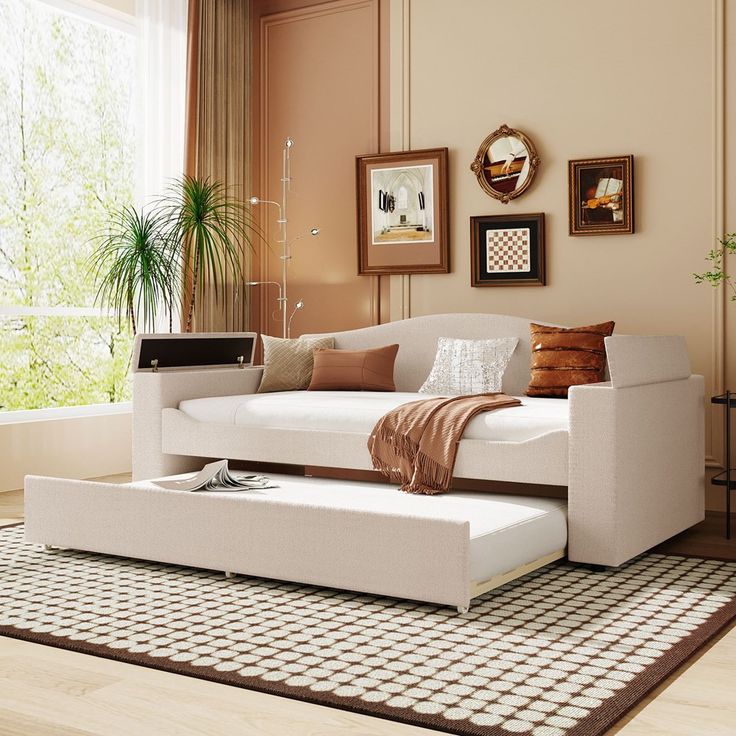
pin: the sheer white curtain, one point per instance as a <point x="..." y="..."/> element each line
<point x="162" y="107"/>
<point x="162" y="85"/>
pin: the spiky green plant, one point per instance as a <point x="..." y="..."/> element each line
<point x="135" y="267"/>
<point x="717" y="257"/>
<point x="211" y="229"/>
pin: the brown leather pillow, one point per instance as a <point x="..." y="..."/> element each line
<point x="566" y="357"/>
<point x="354" y="370"/>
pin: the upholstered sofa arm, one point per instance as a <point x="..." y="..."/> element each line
<point x="636" y="454"/>
<point x="153" y="392"/>
<point x="638" y="360"/>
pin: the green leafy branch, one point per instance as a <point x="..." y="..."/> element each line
<point x="717" y="257"/>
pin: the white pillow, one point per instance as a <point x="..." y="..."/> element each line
<point x="469" y="366"/>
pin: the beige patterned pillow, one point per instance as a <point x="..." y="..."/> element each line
<point x="289" y="363"/>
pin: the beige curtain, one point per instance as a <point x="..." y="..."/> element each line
<point x="217" y="136"/>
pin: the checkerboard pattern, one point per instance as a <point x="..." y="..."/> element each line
<point x="561" y="652"/>
<point x="508" y="250"/>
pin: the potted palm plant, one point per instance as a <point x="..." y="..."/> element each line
<point x="190" y="239"/>
<point x="134" y="268"/>
<point x="210" y="229"/>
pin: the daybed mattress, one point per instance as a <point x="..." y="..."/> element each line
<point x="505" y="531"/>
<point x="358" y="411"/>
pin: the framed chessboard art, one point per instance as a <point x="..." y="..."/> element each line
<point x="507" y="250"/>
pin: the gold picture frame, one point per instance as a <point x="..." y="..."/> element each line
<point x="506" y="164"/>
<point x="601" y="196"/>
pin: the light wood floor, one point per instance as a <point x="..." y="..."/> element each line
<point x="53" y="692"/>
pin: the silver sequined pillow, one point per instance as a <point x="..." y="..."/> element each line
<point x="469" y="366"/>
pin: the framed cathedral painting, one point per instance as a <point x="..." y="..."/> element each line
<point x="402" y="208"/>
<point x="507" y="250"/>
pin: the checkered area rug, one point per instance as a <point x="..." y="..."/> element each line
<point x="561" y="652"/>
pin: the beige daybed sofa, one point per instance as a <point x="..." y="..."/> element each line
<point x="630" y="450"/>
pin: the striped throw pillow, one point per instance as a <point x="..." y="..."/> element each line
<point x="566" y="357"/>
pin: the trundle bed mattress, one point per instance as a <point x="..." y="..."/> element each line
<point x="506" y="531"/>
<point x="446" y="548"/>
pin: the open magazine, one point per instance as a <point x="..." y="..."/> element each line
<point x="216" y="476"/>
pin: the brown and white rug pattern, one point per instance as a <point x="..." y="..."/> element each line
<point x="560" y="652"/>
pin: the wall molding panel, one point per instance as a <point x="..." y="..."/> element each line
<point x="400" y="125"/>
<point x="714" y="457"/>
<point x="304" y="53"/>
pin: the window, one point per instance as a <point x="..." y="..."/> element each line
<point x="402" y="198"/>
<point x="67" y="159"/>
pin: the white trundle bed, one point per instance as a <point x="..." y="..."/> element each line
<point x="629" y="450"/>
<point x="352" y="535"/>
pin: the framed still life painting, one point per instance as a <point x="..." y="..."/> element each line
<point x="507" y="250"/>
<point x="601" y="195"/>
<point x="402" y="207"/>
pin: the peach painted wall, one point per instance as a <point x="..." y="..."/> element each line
<point x="584" y="79"/>
<point x="646" y="78"/>
<point x="316" y="78"/>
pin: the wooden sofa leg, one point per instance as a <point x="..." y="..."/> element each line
<point x="229" y="574"/>
<point x="463" y="609"/>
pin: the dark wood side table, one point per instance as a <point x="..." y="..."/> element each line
<point x="727" y="478"/>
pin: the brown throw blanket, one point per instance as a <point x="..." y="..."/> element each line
<point x="416" y="443"/>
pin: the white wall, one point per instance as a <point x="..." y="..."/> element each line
<point x="73" y="447"/>
<point x="121" y="6"/>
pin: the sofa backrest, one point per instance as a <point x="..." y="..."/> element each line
<point x="418" y="336"/>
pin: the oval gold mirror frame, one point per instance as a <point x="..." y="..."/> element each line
<point x="482" y="165"/>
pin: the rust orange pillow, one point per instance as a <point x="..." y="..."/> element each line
<point x="354" y="370"/>
<point x="566" y="357"/>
